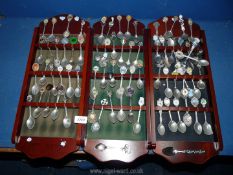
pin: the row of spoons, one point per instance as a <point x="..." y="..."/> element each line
<point x="182" y="125"/>
<point x="115" y="117"/>
<point x="58" y="89"/>
<point x="52" y="61"/>
<point x="110" y="25"/>
<point x="179" y="63"/>
<point x="186" y="92"/>
<point x="175" y="63"/>
<point x="167" y="38"/>
<point x="46" y="112"/>
<point x="66" y="36"/>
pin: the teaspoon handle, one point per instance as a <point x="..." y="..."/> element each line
<point x="170" y="115"/>
<point x="30" y="111"/>
<point x="101" y="112"/>
<point x="139" y="114"/>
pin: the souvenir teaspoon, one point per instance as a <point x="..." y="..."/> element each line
<point x="137" y="126"/>
<point x="30" y="121"/>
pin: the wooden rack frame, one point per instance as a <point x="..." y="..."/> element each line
<point x="38" y="147"/>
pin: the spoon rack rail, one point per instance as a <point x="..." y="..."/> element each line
<point x="114" y="141"/>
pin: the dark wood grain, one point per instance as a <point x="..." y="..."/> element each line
<point x="46" y="147"/>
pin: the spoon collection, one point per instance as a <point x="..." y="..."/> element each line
<point x="126" y="62"/>
<point x="179" y="61"/>
<point x="68" y="61"/>
<point x="180" y="125"/>
<point x="112" y="63"/>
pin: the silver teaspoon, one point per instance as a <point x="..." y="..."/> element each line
<point x="140" y="83"/>
<point x="70" y="89"/>
<point x="103" y="82"/>
<point x="91" y="118"/>
<point x="64" y="60"/>
<point x="43" y="80"/>
<point x="94" y="91"/>
<point x="77" y="91"/>
<point x="66" y="33"/>
<point x="127" y="33"/>
<point x="66" y="120"/>
<point x="121" y="116"/>
<point x="51" y="37"/>
<point x="131" y="44"/>
<point x="95" y="127"/>
<point x="187" y="118"/>
<point x="168" y="92"/>
<point x="161" y="127"/>
<point x="129" y="91"/>
<point x="181" y="124"/>
<point x="37" y="112"/>
<point x="130" y="116"/>
<point x="176" y="91"/>
<point x="207" y="128"/>
<point x="101" y="36"/>
<point x="197" y="92"/>
<point x="30" y="123"/>
<point x="136" y="39"/>
<point x="121" y="60"/>
<point x="135" y="62"/>
<point x="120" y="91"/>
<point x="201" y="84"/>
<point x="169" y="33"/>
<point x="40" y="58"/>
<point x="156" y="36"/>
<point x="112" y="115"/>
<point x="54" y="113"/>
<point x="119" y="34"/>
<point x="46" y="111"/>
<point x="172" y="124"/>
<point x="114" y="54"/>
<point x="110" y="25"/>
<point x="80" y="60"/>
<point x="54" y="90"/>
<point x="35" y="87"/>
<point x="197" y="126"/>
<point x="43" y="38"/>
<point x="137" y="126"/>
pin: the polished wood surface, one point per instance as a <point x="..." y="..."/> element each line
<point x="121" y="150"/>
